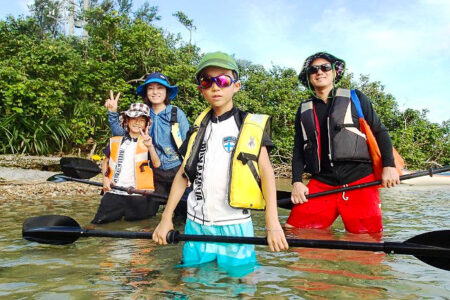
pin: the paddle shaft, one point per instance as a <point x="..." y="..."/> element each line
<point x="175" y="237"/>
<point x="429" y="172"/>
<point x="129" y="190"/>
<point x="386" y="247"/>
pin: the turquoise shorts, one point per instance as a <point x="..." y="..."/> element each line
<point x="228" y="256"/>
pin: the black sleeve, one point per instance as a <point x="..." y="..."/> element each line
<point x="379" y="130"/>
<point x="267" y="142"/>
<point x="298" y="161"/>
<point x="107" y="151"/>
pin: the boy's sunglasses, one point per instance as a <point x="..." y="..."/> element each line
<point x="221" y="81"/>
<point x="324" y="67"/>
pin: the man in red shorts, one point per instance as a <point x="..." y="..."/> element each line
<point x="330" y="146"/>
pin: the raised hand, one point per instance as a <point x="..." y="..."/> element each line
<point x="146" y="138"/>
<point x="111" y="103"/>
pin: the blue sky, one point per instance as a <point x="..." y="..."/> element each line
<point x="405" y="44"/>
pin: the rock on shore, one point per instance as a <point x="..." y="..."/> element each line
<point x="42" y="163"/>
<point x="25" y="178"/>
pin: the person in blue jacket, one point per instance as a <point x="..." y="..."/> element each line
<point x="168" y="130"/>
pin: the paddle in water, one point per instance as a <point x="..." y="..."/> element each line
<point x="284" y="197"/>
<point x="75" y="168"/>
<point x="432" y="247"/>
<point x="79" y="170"/>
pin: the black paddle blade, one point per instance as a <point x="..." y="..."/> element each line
<point x="79" y="167"/>
<point x="37" y="229"/>
<point x="439" y="238"/>
<point x="57" y="178"/>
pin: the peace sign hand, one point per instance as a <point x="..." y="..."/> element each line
<point x="146" y="138"/>
<point x="111" y="103"/>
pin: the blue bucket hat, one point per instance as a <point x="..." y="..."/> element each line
<point x="158" y="78"/>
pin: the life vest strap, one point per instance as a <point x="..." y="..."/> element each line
<point x="248" y="159"/>
<point x="142" y="166"/>
<point x="173" y="115"/>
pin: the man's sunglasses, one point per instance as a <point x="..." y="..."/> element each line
<point x="315" y="68"/>
<point x="221" y="81"/>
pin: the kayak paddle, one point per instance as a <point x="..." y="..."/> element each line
<point x="79" y="169"/>
<point x="129" y="190"/>
<point x="284" y="197"/>
<point x="432" y="247"/>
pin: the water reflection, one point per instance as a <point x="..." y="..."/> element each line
<point x="121" y="268"/>
<point x="331" y="270"/>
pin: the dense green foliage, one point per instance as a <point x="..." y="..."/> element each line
<point x="53" y="87"/>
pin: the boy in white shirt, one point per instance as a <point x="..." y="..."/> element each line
<point x="227" y="162"/>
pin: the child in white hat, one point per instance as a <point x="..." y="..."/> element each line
<point x="127" y="165"/>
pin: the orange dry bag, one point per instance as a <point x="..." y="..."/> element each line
<point x="374" y="150"/>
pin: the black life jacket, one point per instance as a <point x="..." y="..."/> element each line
<point x="346" y="141"/>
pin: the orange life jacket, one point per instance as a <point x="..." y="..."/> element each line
<point x="143" y="172"/>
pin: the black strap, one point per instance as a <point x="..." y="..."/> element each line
<point x="173" y="115"/>
<point x="142" y="166"/>
<point x="248" y="159"/>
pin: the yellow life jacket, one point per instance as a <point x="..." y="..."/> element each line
<point x="143" y="172"/>
<point x="245" y="183"/>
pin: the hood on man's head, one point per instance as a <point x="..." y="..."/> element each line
<point x="158" y="78"/>
<point x="337" y="63"/>
<point x="217" y="59"/>
<point x="135" y="110"/>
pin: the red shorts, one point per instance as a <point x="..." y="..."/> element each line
<point x="360" y="209"/>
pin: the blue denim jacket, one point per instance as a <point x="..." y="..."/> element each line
<point x="160" y="133"/>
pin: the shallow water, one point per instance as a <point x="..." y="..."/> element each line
<point x="137" y="269"/>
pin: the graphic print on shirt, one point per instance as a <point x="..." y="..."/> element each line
<point x="171" y="154"/>
<point x="119" y="163"/>
<point x="229" y="142"/>
<point x="198" y="182"/>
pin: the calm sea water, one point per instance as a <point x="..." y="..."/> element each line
<point x="137" y="269"/>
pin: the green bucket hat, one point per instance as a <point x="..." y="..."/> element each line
<point x="217" y="59"/>
<point x="337" y="63"/>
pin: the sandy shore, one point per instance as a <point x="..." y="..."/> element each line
<point x="29" y="184"/>
<point x="24" y="177"/>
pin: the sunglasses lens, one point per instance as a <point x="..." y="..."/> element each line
<point x="205" y="82"/>
<point x="223" y="81"/>
<point x="325" y="67"/>
<point x="313" y="69"/>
